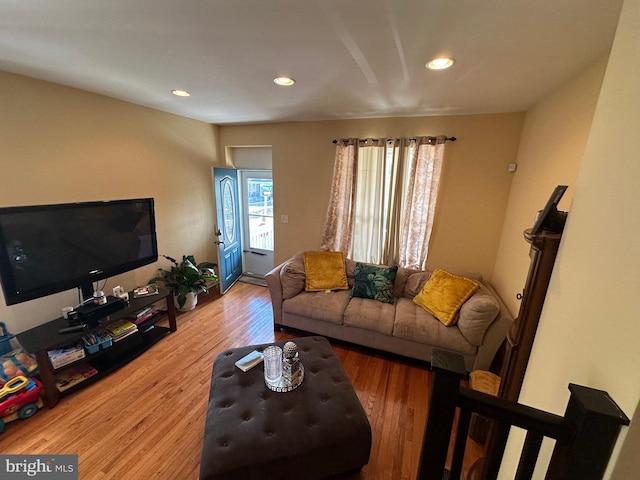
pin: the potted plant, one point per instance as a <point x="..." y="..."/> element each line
<point x="186" y="279"/>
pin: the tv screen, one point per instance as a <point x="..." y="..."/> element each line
<point x="45" y="249"/>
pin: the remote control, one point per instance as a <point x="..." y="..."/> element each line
<point x="74" y="328"/>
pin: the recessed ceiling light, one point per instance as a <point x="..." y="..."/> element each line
<point x="440" y="63"/>
<point x="284" y="81"/>
<point x="181" y="93"/>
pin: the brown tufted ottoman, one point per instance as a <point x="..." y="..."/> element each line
<point x="315" y="431"/>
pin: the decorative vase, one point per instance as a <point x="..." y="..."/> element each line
<point x="189" y="304"/>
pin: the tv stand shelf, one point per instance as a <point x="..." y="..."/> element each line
<point x="45" y="337"/>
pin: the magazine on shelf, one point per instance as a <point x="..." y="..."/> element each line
<point x="73" y="375"/>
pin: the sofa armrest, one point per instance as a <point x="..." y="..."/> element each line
<point x="275" y="290"/>
<point x="494" y="336"/>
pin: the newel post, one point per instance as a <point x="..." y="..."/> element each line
<point x="596" y="421"/>
<point x="448" y="369"/>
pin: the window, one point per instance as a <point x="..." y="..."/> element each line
<point x="260" y="213"/>
<point x="383" y="199"/>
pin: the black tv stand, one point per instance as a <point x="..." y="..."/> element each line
<point x="45" y="337"/>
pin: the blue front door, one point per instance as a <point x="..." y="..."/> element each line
<point x="228" y="228"/>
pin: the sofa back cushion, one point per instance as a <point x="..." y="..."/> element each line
<point x="402" y="278"/>
<point x="292" y="276"/>
<point x="414" y="284"/>
<point x="351" y="271"/>
<point x="476" y="314"/>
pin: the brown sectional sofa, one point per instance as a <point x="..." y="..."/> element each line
<point x="403" y="328"/>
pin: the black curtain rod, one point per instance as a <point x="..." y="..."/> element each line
<point x="451" y="139"/>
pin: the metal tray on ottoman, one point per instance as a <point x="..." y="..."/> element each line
<point x="315" y="431"/>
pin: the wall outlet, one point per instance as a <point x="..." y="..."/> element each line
<point x="512" y="167"/>
<point x="284" y="218"/>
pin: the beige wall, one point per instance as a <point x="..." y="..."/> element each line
<point x="589" y="328"/>
<point x="474" y="192"/>
<point x="553" y="140"/>
<point x="65" y="145"/>
<point x="61" y="144"/>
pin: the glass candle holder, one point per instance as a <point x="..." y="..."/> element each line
<point x="272" y="364"/>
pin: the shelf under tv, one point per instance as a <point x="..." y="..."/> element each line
<point x="41" y="339"/>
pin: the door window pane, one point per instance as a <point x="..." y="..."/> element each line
<point x="228" y="211"/>
<point x="260" y="213"/>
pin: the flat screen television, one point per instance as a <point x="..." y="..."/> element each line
<point x="45" y="249"/>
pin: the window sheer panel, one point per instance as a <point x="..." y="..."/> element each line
<point x="369" y="205"/>
<point x="396" y="158"/>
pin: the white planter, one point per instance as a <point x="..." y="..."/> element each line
<point x="189" y="304"/>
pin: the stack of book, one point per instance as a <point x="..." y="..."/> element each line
<point x="121" y="329"/>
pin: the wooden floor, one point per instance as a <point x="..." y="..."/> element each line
<point x="146" y="420"/>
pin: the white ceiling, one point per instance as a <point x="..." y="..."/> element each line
<point x="351" y="58"/>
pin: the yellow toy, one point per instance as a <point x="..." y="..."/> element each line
<point x="19" y="398"/>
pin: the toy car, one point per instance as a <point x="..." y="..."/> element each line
<point x="19" y="398"/>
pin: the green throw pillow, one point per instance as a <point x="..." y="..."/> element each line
<point x="374" y="282"/>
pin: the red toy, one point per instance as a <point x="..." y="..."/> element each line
<point x="19" y="398"/>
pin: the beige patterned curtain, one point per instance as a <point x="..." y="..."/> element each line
<point x="338" y="225"/>
<point x="420" y="206"/>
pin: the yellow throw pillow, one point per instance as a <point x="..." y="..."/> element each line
<point x="443" y="295"/>
<point x="325" y="271"/>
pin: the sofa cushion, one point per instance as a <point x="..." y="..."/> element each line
<point x="370" y="315"/>
<point x="328" y="306"/>
<point x="374" y="282"/>
<point x="351" y="271"/>
<point x="414" y="323"/>
<point x="476" y="314"/>
<point x="414" y="284"/>
<point x="292" y="277"/>
<point x="444" y="293"/>
<point x="402" y="277"/>
<point x="324" y="271"/>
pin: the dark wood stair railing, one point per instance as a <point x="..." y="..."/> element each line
<point x="585" y="435"/>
